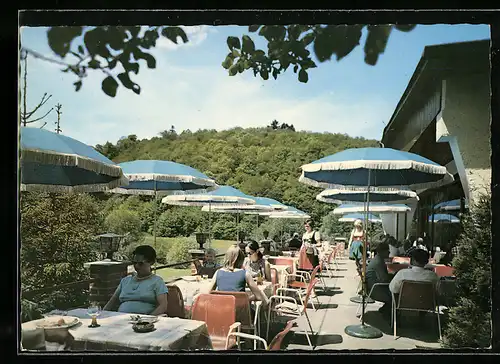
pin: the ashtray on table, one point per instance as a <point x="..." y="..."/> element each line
<point x="143" y="327"/>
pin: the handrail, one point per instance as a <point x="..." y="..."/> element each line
<point x="57" y="287"/>
<point x="34" y="292"/>
<point x="179" y="263"/>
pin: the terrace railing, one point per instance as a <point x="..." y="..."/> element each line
<point x="29" y="294"/>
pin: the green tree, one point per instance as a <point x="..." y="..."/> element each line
<point x="102" y="48"/>
<point x="57" y="237"/>
<point x="125" y="222"/>
<point x="179" y="251"/>
<point x="331" y="227"/>
<point x="469" y="323"/>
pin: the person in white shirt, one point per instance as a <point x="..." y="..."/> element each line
<point x="417" y="272"/>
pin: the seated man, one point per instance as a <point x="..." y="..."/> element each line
<point x="417" y="272"/>
<point x="295" y="243"/>
<point x="267" y="243"/>
<point x="376" y="272"/>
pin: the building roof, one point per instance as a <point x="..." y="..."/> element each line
<point x="437" y="61"/>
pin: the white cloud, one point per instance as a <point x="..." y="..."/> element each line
<point x="196" y="35"/>
<point x="205" y="97"/>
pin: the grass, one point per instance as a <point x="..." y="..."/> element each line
<point x="168" y="273"/>
<point x="219" y="245"/>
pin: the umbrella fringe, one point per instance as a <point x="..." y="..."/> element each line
<point x="357" y="189"/>
<point x="171" y="178"/>
<point x="447" y="179"/>
<point x="340" y="202"/>
<point x="377" y="165"/>
<point x="376" y="209"/>
<point x="70" y="160"/>
<point x="237" y="208"/>
<point x="137" y="191"/>
<point x="101" y="187"/>
<point x="203" y="200"/>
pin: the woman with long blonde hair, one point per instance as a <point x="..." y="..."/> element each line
<point x="231" y="277"/>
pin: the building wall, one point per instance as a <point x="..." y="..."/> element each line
<point x="465" y="121"/>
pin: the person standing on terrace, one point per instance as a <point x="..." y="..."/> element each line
<point x="356" y="240"/>
<point x="143" y="292"/>
<point x="311" y="242"/>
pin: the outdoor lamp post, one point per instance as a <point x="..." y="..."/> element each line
<point x="109" y="244"/>
<point x="201" y="238"/>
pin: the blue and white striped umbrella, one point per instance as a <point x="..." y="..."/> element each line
<point x="444" y="218"/>
<point x="225" y="196"/>
<point x="453" y="205"/>
<point x="358" y="216"/>
<point x="375" y="207"/>
<point x="254" y="209"/>
<point x="156" y="177"/>
<point x="340" y="195"/>
<point x="56" y="163"/>
<point x="290" y="213"/>
<point x="375" y="167"/>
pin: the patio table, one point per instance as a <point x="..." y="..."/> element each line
<point x="393" y="268"/>
<point x="116" y="333"/>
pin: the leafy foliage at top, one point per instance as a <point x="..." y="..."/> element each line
<point x="291" y="45"/>
<point x="103" y="48"/>
<point x="258" y="161"/>
<point x="470" y="319"/>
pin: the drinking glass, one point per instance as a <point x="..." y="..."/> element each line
<point x="93" y="311"/>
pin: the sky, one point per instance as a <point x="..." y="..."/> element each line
<point x="190" y="90"/>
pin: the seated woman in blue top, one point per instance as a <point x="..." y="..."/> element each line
<point x="143" y="292"/>
<point x="231" y="277"/>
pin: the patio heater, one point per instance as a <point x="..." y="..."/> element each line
<point x="109" y="243"/>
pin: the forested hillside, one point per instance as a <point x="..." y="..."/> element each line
<point x="259" y="161"/>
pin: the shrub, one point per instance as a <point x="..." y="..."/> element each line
<point x="469" y="323"/>
<point x="57" y="235"/>
<point x="179" y="251"/>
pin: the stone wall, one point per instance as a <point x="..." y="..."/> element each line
<point x="107" y="276"/>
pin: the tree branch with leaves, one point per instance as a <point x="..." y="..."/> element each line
<point x="103" y="48"/>
<point x="291" y="45"/>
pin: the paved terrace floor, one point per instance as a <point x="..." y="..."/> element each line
<point x="337" y="312"/>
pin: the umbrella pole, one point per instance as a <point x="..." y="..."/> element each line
<point x="397" y="225"/>
<point x="363" y="331"/>
<point x="406" y="224"/>
<point x="209" y="224"/>
<point x="154" y="220"/>
<point x="237" y="228"/>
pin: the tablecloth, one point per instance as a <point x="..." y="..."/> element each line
<point x="116" y="333"/>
